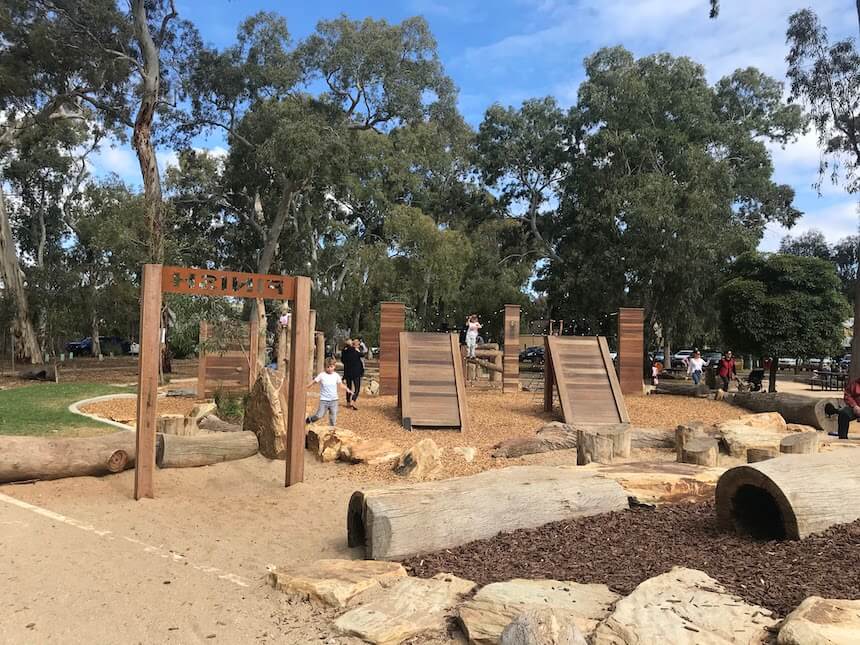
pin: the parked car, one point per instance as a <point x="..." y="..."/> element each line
<point x="787" y="363"/>
<point x="679" y="359"/>
<point x="108" y="344"/>
<point x="711" y="357"/>
<point x="845" y="363"/>
<point x="818" y="363"/>
<point x="532" y="355"/>
<point x="134" y="348"/>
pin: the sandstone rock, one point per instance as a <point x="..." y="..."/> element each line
<point x="683" y="607"/>
<point x="486" y="615"/>
<point x="542" y="627"/>
<point x="822" y="621"/>
<point x="372" y="387"/>
<point x="664" y="481"/>
<point x="369" y="451"/>
<point x="799" y="427"/>
<point x="763" y="430"/>
<point x="467" y="453"/>
<point x="203" y="410"/>
<point x="408" y="608"/>
<point x="266" y="414"/>
<point x="327" y="442"/>
<point x="335" y="582"/>
<point x="420" y="462"/>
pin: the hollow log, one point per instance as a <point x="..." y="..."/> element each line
<point x="492" y="367"/>
<point x="755" y="455"/>
<point x="204" y="450"/>
<point x="799" y="443"/>
<point x="700" y="451"/>
<point x="37" y="458"/>
<point x="177" y="424"/>
<point x="682" y="389"/>
<point x="214" y="424"/>
<point x="794" y="408"/>
<point x="47" y="372"/>
<point x="792" y="496"/>
<point x="602" y="443"/>
<point x="401" y="521"/>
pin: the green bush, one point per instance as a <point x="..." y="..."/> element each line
<point x="230" y="405"/>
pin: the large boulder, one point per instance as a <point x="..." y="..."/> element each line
<point x="542" y="627"/>
<point x="822" y="621"/>
<point x="409" y="608"/>
<point x="331" y="443"/>
<point x="266" y="414"/>
<point x="683" y="607"/>
<point x="334" y="582"/>
<point x="421" y="461"/>
<point x="485" y="616"/>
<point x="764" y="430"/>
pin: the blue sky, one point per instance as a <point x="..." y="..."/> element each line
<point x="510" y="50"/>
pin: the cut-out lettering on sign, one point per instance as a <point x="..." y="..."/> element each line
<point x="206" y="282"/>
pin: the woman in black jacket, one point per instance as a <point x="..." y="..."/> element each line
<point x="353" y="370"/>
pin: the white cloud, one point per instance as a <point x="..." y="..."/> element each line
<point x="835" y="221"/>
<point x="116" y="158"/>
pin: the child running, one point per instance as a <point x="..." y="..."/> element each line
<point x="472" y="335"/>
<point x="329" y="382"/>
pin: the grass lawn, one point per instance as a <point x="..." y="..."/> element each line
<point x="43" y="409"/>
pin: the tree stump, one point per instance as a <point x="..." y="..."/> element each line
<point x="754" y="455"/>
<point x="177" y="424"/>
<point x="684" y="434"/>
<point x="593" y="447"/>
<point x="701" y="451"/>
<point x="800" y="443"/>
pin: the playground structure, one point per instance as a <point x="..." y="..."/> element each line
<point x="588" y="389"/>
<point x="232" y="367"/>
<point x="158" y="279"/>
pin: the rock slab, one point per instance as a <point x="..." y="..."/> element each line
<point x="683" y="607"/>
<point x="331" y="443"/>
<point x="495" y="606"/>
<point x="335" y="582"/>
<point x="764" y="430"/>
<point x="822" y="621"/>
<point x="420" y="462"/>
<point x="542" y="627"/>
<point x="410" y="607"/>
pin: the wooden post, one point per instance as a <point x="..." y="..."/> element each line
<point x="511" y="360"/>
<point x="147" y="379"/>
<point x="201" y="359"/>
<point x="548" y="376"/>
<point x="312" y="325"/>
<point x="320" y="352"/>
<point x="296" y="392"/>
<point x="392" y="318"/>
<point x="631" y="349"/>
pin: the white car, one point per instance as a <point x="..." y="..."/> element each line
<point x="134" y="349"/>
<point x="680" y="358"/>
<point x="787" y="363"/>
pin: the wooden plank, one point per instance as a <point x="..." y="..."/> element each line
<point x="147" y="380"/>
<point x="548" y="375"/>
<point x="392" y="321"/>
<point x="404" y="396"/>
<point x="312" y="325"/>
<point x="201" y="359"/>
<point x="460" y="382"/>
<point x="631" y="349"/>
<point x="211" y="282"/>
<point x="558" y="373"/>
<point x="613" y="381"/>
<point x="297" y="387"/>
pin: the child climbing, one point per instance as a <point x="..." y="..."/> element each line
<point x="329" y="381"/>
<point x="472" y="335"/>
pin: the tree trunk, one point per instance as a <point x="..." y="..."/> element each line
<point x="667" y="353"/>
<point x="855" y="344"/>
<point x="400" y="521"/>
<point x="793" y="496"/>
<point x="794" y="408"/>
<point x="682" y="389"/>
<point x="774" y="368"/>
<point x="142" y="135"/>
<point x="36" y="458"/>
<point x="214" y="424"/>
<point x="13" y="281"/>
<point x="94" y="331"/>
<point x="204" y="450"/>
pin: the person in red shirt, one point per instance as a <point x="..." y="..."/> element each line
<point x="849" y="412"/>
<point x="727" y="370"/>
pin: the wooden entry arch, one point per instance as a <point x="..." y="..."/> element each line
<point x="158" y="279"/>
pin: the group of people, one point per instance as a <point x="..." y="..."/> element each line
<point x="330" y="382"/>
<point x="696" y="365"/>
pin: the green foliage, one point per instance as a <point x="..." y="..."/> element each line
<point x="230" y="405"/>
<point x="782" y="305"/>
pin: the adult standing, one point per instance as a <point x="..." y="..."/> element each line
<point x="695" y="367"/>
<point x="727" y="370"/>
<point x="353" y="370"/>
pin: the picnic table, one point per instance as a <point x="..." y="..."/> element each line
<point x="828" y="380"/>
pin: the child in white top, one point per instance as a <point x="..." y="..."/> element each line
<point x="472" y="335"/>
<point x="695" y="367"/>
<point x="329" y="382"/>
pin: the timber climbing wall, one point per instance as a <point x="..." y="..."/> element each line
<point x="226" y="357"/>
<point x="581" y="368"/>
<point x="511" y="360"/>
<point x="432" y="387"/>
<point x="392" y="319"/>
<point x="631" y="349"/>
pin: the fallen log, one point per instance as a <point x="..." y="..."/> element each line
<point x="176" y="451"/>
<point x="485" y="364"/>
<point x="401" y="521"/>
<point x="47" y="372"/>
<point x="555" y="436"/>
<point x="794" y="408"/>
<point x="214" y="424"/>
<point x="683" y="389"/>
<point x="792" y="496"/>
<point x="799" y="443"/>
<point x="37" y="458"/>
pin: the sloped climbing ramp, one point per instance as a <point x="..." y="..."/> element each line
<point x="432" y="388"/>
<point x="582" y="370"/>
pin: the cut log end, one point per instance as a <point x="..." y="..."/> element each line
<point x="702" y="452"/>
<point x="118" y="461"/>
<point x="355" y="536"/>
<point x="800" y="443"/>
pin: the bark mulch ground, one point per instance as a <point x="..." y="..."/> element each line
<point x="625" y="548"/>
